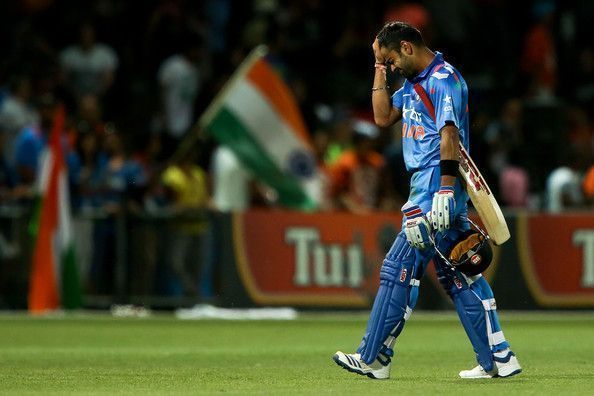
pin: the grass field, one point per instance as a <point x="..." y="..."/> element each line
<point x="161" y="355"/>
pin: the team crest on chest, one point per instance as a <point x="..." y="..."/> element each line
<point x="411" y="113"/>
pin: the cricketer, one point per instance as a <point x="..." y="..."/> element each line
<point x="433" y="106"/>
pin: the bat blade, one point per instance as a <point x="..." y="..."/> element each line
<point x="483" y="200"/>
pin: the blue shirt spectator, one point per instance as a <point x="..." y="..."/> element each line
<point x="29" y="144"/>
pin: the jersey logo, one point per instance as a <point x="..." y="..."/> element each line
<point x="440" y="76"/>
<point x="448" y="103"/>
<point x="416" y="132"/>
<point x="411" y="113"/>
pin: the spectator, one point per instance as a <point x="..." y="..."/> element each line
<point x="165" y="27"/>
<point x="539" y="59"/>
<point x="504" y="135"/>
<point x="231" y="181"/>
<point x="514" y="183"/>
<point x="341" y="135"/>
<point x="117" y="179"/>
<point x="90" y="116"/>
<point x="564" y="186"/>
<point x="146" y="238"/>
<point x="150" y="158"/>
<point x="84" y="164"/>
<point x="16" y="113"/>
<point x="357" y="173"/>
<point x="89" y="67"/>
<point x="232" y="190"/>
<point x="186" y="184"/>
<point x="180" y="80"/>
<point x="31" y="141"/>
<point x="581" y="132"/>
<point x="588" y="185"/>
<point x="320" y="140"/>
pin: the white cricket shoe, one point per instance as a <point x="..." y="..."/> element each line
<point x="475" y="373"/>
<point x="354" y="364"/>
<point x="504" y="367"/>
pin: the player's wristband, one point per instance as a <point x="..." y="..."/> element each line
<point x="446" y="190"/>
<point x="448" y="167"/>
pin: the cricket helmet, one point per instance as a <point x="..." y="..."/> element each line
<point x="472" y="253"/>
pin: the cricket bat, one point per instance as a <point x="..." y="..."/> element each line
<point x="483" y="200"/>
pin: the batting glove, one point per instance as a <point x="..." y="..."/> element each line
<point x="416" y="227"/>
<point x="442" y="210"/>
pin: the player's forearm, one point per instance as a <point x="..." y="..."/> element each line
<point x="380" y="98"/>
<point x="449" y="150"/>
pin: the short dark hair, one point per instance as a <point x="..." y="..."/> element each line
<point x="394" y="32"/>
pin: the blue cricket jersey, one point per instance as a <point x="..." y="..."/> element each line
<point x="448" y="93"/>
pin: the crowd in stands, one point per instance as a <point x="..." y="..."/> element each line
<point x="133" y="78"/>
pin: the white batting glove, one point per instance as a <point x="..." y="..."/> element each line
<point x="443" y="208"/>
<point x="416" y="227"/>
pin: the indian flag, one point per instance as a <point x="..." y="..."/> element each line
<point x="54" y="279"/>
<point x="257" y="116"/>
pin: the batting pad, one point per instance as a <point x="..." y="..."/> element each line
<point x="392" y="305"/>
<point x="482" y="289"/>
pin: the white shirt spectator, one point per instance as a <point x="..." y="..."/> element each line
<point x="89" y="72"/>
<point x="14" y="116"/>
<point x="564" y="190"/>
<point x="180" y="82"/>
<point x="231" y="182"/>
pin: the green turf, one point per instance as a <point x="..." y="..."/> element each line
<point x="161" y="355"/>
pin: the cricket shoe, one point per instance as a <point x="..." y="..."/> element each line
<point x="505" y="366"/>
<point x="354" y="364"/>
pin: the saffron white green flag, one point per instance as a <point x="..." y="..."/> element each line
<point x="257" y="117"/>
<point x="54" y="281"/>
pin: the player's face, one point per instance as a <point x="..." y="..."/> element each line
<point x="399" y="62"/>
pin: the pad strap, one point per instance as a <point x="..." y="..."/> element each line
<point x="497" y="338"/>
<point x="489" y="304"/>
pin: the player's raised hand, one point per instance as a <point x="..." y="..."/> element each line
<point x="377" y="53"/>
<point x="416" y="227"/>
<point x="443" y="208"/>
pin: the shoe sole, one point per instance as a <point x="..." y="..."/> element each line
<point x="352" y="369"/>
<point x="515" y="372"/>
<point x="476" y="378"/>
